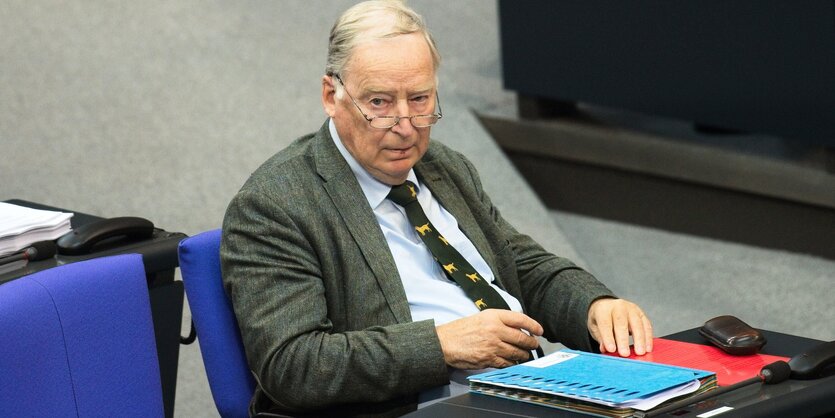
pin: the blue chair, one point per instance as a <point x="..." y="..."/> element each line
<point x="230" y="381"/>
<point x="78" y="341"/>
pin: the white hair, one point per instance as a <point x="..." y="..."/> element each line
<point x="370" y="20"/>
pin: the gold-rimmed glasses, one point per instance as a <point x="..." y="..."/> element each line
<point x="386" y="122"/>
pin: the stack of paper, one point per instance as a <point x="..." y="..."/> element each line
<point x="20" y="226"/>
<point x="593" y="383"/>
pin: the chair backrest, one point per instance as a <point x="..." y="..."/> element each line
<point x="230" y="381"/>
<point x="78" y="340"/>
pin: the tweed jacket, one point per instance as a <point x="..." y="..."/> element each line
<point x="321" y="307"/>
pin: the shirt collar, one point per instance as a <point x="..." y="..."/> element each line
<point x="375" y="191"/>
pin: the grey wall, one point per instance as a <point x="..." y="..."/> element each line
<point x="153" y="108"/>
<point x="162" y="109"/>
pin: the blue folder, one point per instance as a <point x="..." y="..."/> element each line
<point x="591" y="376"/>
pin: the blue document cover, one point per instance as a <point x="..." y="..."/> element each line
<point x="608" y="380"/>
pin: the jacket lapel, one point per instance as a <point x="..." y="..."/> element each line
<point x="346" y="194"/>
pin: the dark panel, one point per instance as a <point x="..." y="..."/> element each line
<point x="678" y="206"/>
<point x="757" y="66"/>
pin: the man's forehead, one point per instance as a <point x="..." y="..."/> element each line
<point x="380" y="82"/>
<point x="402" y="62"/>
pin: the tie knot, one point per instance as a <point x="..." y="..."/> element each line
<point x="403" y="194"/>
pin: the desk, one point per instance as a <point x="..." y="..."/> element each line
<point x="159" y="255"/>
<point x="793" y="398"/>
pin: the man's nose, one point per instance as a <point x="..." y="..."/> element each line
<point x="404" y="125"/>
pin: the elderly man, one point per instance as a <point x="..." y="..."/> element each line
<point x="366" y="265"/>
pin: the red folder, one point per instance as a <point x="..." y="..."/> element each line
<point x="729" y="369"/>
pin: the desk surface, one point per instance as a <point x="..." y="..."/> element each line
<point x="159" y="254"/>
<point x="794" y="398"/>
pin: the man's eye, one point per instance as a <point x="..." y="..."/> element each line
<point x="420" y="99"/>
<point x="377" y="101"/>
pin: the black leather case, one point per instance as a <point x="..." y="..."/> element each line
<point x="732" y="335"/>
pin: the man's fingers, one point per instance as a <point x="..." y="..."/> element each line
<point x="520" y="321"/>
<point x="512" y="354"/>
<point x="517" y="338"/>
<point x="605" y="333"/>
<point x="641" y="329"/>
<point x="648" y="334"/>
<point x="621" y="326"/>
<point x="636" y="324"/>
<point x="491" y="338"/>
<point x="612" y="321"/>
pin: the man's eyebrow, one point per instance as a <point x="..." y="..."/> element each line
<point x="378" y="90"/>
<point x="389" y="92"/>
<point x="422" y="91"/>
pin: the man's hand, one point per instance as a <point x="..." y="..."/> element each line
<point x="611" y="321"/>
<point x="490" y="338"/>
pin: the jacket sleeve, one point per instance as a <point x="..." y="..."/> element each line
<point x="274" y="278"/>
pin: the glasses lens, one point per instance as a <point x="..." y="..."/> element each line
<point x="424" y="120"/>
<point x="386" y="122"/>
<point x="383" y="122"/>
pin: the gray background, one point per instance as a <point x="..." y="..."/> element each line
<point x="162" y="109"/>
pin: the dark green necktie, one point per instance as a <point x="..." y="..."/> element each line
<point x="452" y="262"/>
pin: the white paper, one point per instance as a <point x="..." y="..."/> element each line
<point x="21" y="226"/>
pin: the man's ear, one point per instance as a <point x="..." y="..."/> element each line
<point x="328" y="95"/>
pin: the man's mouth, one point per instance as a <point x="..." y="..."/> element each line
<point x="400" y="150"/>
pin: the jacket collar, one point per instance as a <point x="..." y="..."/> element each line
<point x="346" y="194"/>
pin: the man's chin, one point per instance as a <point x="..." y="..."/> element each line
<point x="396" y="172"/>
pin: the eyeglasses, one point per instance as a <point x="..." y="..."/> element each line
<point x="386" y="122"/>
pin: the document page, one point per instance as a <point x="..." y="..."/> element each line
<point x="21" y="226"/>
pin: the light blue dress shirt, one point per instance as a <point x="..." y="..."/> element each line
<point x="431" y="295"/>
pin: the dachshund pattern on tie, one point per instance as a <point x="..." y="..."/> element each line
<point x="454" y="265"/>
